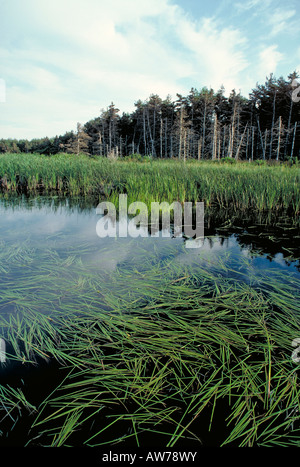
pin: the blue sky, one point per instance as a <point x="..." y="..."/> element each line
<point x="62" y="61"/>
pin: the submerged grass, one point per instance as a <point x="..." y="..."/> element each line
<point x="241" y="186"/>
<point x="188" y="355"/>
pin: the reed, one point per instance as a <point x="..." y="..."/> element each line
<point x="241" y="186"/>
<point x="189" y="344"/>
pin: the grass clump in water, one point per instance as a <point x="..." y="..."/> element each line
<point x="186" y="356"/>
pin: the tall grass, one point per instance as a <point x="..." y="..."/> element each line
<point x="238" y="186"/>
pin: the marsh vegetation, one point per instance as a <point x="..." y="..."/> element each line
<point x="141" y="342"/>
<point x="235" y="186"/>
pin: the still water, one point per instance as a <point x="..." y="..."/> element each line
<point x="51" y="249"/>
<point x="53" y="264"/>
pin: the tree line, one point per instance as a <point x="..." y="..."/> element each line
<point x="202" y="125"/>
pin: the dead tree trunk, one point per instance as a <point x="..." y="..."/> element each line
<point x="279" y="138"/>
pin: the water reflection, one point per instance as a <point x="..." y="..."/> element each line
<point x="66" y="226"/>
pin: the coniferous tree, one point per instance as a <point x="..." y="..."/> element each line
<point x="201" y="125"/>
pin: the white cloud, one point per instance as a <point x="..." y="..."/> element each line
<point x="257" y="4"/>
<point x="107" y="52"/>
<point x="218" y="52"/>
<point x="269" y="58"/>
<point x="63" y="61"/>
<point x="247" y="5"/>
<point x="278" y="20"/>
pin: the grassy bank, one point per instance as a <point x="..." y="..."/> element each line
<point x="155" y="351"/>
<point x="191" y="354"/>
<point x="241" y="186"/>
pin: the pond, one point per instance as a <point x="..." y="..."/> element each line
<point x="56" y="270"/>
<point x="36" y="229"/>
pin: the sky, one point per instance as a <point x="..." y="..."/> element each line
<point x="63" y="61"/>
